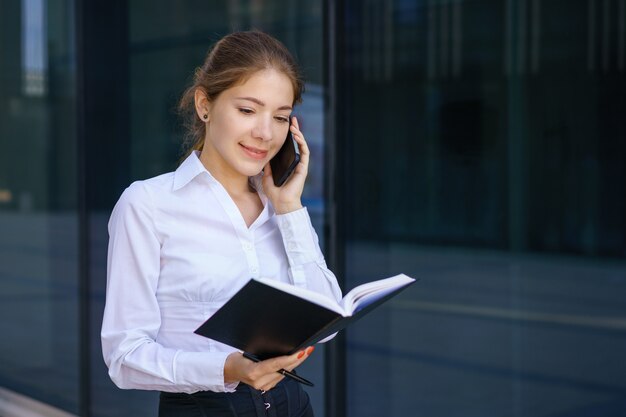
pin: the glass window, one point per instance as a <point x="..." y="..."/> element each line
<point x="38" y="205"/>
<point x="166" y="42"/>
<point x="485" y="156"/>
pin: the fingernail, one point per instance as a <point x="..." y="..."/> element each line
<point x="310" y="350"/>
<point x="300" y="355"/>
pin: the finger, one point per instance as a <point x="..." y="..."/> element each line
<point x="267" y="171"/>
<point x="263" y="376"/>
<point x="273" y="382"/>
<point x="269" y="381"/>
<point x="300" y="359"/>
<point x="268" y="181"/>
<point x="282" y="362"/>
<point x="299" y="137"/>
<point x="304" y="149"/>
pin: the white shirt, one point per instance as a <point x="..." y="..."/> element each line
<point x="179" y="248"/>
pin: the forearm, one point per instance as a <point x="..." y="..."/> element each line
<point x="307" y="266"/>
<point x="147" y="365"/>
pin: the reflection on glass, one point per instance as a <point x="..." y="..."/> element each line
<point x="486" y="157"/>
<point x="38" y="211"/>
<point x="34" y="43"/>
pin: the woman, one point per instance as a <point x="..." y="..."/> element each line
<point x="181" y="244"/>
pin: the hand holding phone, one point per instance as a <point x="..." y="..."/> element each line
<point x="285" y="161"/>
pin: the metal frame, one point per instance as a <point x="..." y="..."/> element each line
<point x="335" y="359"/>
<point x="102" y="135"/>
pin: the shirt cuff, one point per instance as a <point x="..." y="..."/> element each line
<point x="204" y="370"/>
<point x="299" y="239"/>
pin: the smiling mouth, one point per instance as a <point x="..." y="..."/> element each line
<point x="253" y="152"/>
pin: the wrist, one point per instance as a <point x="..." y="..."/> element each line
<point x="287" y="208"/>
<point x="231" y="368"/>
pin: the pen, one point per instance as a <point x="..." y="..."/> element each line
<point x="281" y="371"/>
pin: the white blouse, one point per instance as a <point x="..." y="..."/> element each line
<point x="179" y="248"/>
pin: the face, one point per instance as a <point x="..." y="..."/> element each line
<point x="247" y="124"/>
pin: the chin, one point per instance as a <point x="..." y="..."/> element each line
<point x="251" y="171"/>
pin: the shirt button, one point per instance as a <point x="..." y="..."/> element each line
<point x="247" y="246"/>
<point x="293" y="245"/>
<point x="254" y="270"/>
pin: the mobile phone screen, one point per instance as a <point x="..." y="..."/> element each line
<point x="286" y="160"/>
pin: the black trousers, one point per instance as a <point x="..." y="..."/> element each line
<point x="287" y="399"/>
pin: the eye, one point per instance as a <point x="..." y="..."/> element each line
<point x="245" y="110"/>
<point x="282" y="119"/>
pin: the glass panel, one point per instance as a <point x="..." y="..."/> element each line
<point x="167" y="41"/>
<point x="38" y="207"/>
<point x="486" y="156"/>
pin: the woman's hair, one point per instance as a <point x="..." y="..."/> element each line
<point x="231" y="61"/>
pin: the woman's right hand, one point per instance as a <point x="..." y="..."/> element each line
<point x="261" y="375"/>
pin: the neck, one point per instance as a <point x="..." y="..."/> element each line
<point x="232" y="181"/>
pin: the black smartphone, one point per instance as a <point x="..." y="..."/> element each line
<point x="286" y="160"/>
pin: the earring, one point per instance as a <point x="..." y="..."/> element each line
<point x="206" y="116"/>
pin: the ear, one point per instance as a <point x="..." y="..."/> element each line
<point x="203" y="105"/>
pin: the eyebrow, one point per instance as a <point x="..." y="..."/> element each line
<point x="260" y="103"/>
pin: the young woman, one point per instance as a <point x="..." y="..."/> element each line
<point x="181" y="244"/>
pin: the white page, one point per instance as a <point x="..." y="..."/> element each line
<point x="305" y="293"/>
<point x="360" y="296"/>
<point x="366" y="294"/>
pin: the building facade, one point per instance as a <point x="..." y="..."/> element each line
<point x="479" y="145"/>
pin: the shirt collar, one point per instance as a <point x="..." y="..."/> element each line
<point x="188" y="170"/>
<point x="192" y="167"/>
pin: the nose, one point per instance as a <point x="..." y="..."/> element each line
<point x="263" y="128"/>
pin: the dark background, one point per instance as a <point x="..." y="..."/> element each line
<point x="479" y="145"/>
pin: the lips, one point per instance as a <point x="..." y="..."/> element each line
<point x="253" y="152"/>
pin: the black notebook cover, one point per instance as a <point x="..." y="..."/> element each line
<point x="267" y="322"/>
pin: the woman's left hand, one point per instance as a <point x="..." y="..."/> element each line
<point x="287" y="198"/>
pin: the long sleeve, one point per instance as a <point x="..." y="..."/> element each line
<point x="307" y="267"/>
<point x="132" y="316"/>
